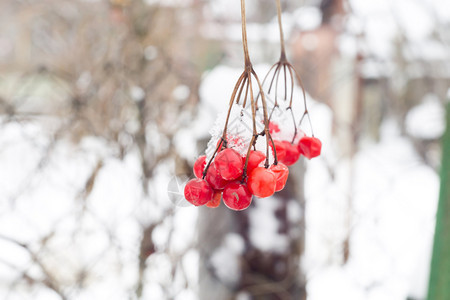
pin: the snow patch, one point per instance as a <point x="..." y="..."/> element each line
<point x="426" y="120"/>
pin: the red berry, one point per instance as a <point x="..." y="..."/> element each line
<point x="273" y="127"/>
<point x="199" y="166"/>
<point x="235" y="140"/>
<point x="292" y="154"/>
<point x="280" y="148"/>
<point x="262" y="182"/>
<point x="215" y="201"/>
<point x="237" y="196"/>
<point x="214" y="179"/>
<point x="198" y="192"/>
<point x="281" y="174"/>
<point x="229" y="164"/>
<point x="254" y="159"/>
<point x="310" y="147"/>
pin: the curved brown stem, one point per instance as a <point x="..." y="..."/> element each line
<point x="236" y="87"/>
<point x="240" y="91"/>
<point x="241" y="82"/>
<point x="255" y="134"/>
<point x="266" y="124"/>
<point x="246" y="80"/>
<point x="304" y="98"/>
<point x="264" y="80"/>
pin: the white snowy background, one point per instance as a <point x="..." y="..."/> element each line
<point x="394" y="192"/>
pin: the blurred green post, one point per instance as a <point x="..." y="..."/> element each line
<point x="439" y="285"/>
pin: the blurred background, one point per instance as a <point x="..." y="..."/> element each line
<point x="105" y="105"/>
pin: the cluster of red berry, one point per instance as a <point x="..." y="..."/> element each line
<point x="226" y="176"/>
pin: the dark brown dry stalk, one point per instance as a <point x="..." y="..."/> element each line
<point x="245" y="81"/>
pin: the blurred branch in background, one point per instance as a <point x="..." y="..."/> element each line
<point x="119" y="73"/>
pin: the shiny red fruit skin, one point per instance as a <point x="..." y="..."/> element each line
<point x="280" y="148"/>
<point x="254" y="159"/>
<point x="262" y="182"/>
<point x="237" y="196"/>
<point x="281" y="174"/>
<point x="214" y="179"/>
<point x="292" y="154"/>
<point x="310" y="147"/>
<point x="215" y="201"/>
<point x="229" y="164"/>
<point x="198" y="192"/>
<point x="199" y="166"/>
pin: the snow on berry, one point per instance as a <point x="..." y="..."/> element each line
<point x="273" y="128"/>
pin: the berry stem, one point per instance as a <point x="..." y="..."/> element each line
<point x="245" y="81"/>
<point x="266" y="124"/>
<point x="243" y="76"/>
<point x="244" y="35"/>
<point x="283" y="50"/>
<point x="284" y="64"/>
<point x="306" y="112"/>
<point x="255" y="134"/>
<point x="219" y="146"/>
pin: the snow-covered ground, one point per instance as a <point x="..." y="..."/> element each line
<point x="394" y="200"/>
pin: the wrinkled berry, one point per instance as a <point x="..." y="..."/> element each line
<point x="262" y="182"/>
<point x="280" y="148"/>
<point x="281" y="174"/>
<point x="198" y="192"/>
<point x="215" y="201"/>
<point x="254" y="159"/>
<point x="199" y="166"/>
<point x="310" y="147"/>
<point x="237" y="196"/>
<point x="229" y="164"/>
<point x="292" y="154"/>
<point x="214" y="179"/>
